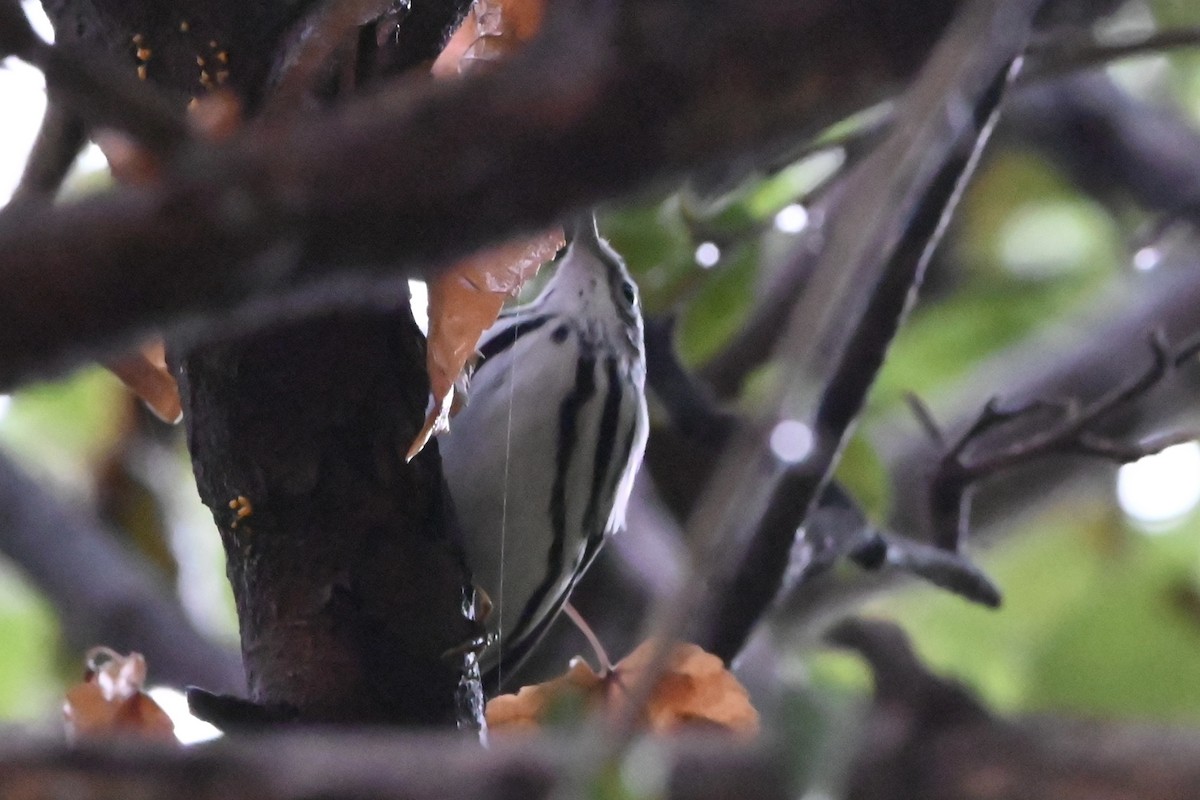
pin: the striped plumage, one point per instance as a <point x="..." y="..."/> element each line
<point x="541" y="461"/>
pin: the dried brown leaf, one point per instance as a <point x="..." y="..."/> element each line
<point x="110" y="701"/>
<point x="465" y="299"/>
<point x="696" y="690"/>
<point x="145" y="373"/>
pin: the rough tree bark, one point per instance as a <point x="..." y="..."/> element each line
<point x="350" y="592"/>
<point x="348" y="589"/>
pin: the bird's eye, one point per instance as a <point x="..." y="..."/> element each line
<point x="629" y="292"/>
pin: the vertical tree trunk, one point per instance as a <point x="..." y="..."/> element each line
<point x="348" y="590"/>
<point x="350" y="593"/>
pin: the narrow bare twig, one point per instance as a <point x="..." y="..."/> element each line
<point x="836" y="528"/>
<point x="1054" y="56"/>
<point x="1070" y="431"/>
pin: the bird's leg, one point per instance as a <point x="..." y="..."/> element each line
<point x="606" y="666"/>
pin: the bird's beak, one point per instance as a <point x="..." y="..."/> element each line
<point x="582" y="230"/>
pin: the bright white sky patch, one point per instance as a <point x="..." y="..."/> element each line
<point x="39" y="20"/>
<point x="708" y="254"/>
<point x="1161" y="488"/>
<point x="420" y="304"/>
<point x="188" y="729"/>
<point x="23" y="98"/>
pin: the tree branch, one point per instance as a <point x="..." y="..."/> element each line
<point x="283" y="206"/>
<point x="929" y="737"/>
<point x="894" y="211"/>
<point x="102" y="595"/>
<point x="58" y="142"/>
<point x="342" y="764"/>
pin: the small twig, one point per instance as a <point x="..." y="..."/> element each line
<point x="692" y="411"/>
<point x="839" y="529"/>
<point x="1053" y="57"/>
<point x="1071" y="432"/>
<point x="925" y="419"/>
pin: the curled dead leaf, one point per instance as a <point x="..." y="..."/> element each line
<point x="696" y="690"/>
<point x="491" y="31"/>
<point x="145" y="373"/>
<point x="466" y="299"/>
<point x="110" y="701"/>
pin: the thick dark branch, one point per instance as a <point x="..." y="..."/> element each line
<point x="92" y="88"/>
<point x="483" y="158"/>
<point x="101" y="593"/>
<point x="894" y="209"/>
<point x="1111" y="144"/>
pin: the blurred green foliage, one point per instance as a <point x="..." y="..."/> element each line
<point x="1099" y="618"/>
<point x="29" y="686"/>
<point x="64" y="434"/>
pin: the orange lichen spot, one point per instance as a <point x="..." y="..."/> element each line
<point x="144" y="53"/>
<point x="222" y="76"/>
<point x="199" y="61"/>
<point x="142" y="72"/>
<point x="205" y="78"/>
<point x="223" y="56"/>
<point x="241" y="507"/>
<point x="184" y="26"/>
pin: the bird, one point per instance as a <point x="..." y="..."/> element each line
<point x="541" y="461"/>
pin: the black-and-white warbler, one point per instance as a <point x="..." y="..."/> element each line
<point x="541" y="461"/>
